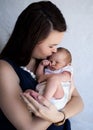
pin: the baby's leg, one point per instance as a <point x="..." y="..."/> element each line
<point x="53" y="88"/>
<point x="41" y="87"/>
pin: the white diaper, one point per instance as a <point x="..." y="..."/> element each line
<point x="59" y="103"/>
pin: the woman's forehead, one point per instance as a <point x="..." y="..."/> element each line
<point x="54" y="38"/>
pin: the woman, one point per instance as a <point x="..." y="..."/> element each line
<point x="38" y="30"/>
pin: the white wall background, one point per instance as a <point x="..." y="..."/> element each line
<point x="78" y="38"/>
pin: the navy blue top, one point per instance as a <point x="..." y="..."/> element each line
<point x="26" y="82"/>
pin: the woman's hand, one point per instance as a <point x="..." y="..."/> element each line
<point x="41" y="107"/>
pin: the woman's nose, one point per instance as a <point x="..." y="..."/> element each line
<point x="54" y="49"/>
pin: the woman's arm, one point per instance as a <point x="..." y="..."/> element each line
<point x="41" y="107"/>
<point x="11" y="103"/>
<point x="75" y="104"/>
<point x="46" y="110"/>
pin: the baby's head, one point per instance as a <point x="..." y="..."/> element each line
<point x="60" y="59"/>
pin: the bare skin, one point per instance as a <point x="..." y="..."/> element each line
<point x="13" y="106"/>
<point x="16" y="110"/>
<point x="52" y="86"/>
<point x="11" y="103"/>
<point x="69" y="111"/>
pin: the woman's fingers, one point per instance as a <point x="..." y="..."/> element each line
<point x="41" y="107"/>
<point x="38" y="100"/>
<point x="44" y="101"/>
<point x="31" y="99"/>
<point x="30" y="107"/>
<point x="34" y="104"/>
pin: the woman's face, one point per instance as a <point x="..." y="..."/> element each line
<point x="47" y="46"/>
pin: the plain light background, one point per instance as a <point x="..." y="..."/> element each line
<point x="78" y="39"/>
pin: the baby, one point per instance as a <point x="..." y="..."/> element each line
<point x="56" y="89"/>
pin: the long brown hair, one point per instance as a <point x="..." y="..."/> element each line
<point x="32" y="26"/>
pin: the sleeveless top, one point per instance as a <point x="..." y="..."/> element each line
<point x="26" y="82"/>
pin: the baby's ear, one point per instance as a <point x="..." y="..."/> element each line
<point x="69" y="64"/>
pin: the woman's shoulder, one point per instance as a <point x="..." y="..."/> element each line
<point x="9" y="81"/>
<point x="7" y="70"/>
<point x="5" y="66"/>
<point x="3" y="63"/>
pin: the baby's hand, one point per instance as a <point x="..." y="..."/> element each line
<point x="45" y="62"/>
<point x="32" y="93"/>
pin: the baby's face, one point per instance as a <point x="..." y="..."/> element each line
<point x="57" y="61"/>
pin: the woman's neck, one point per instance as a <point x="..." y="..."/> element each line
<point x="31" y="65"/>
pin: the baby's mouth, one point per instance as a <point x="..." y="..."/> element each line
<point x="51" y="68"/>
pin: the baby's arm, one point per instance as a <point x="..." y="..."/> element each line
<point x="40" y="69"/>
